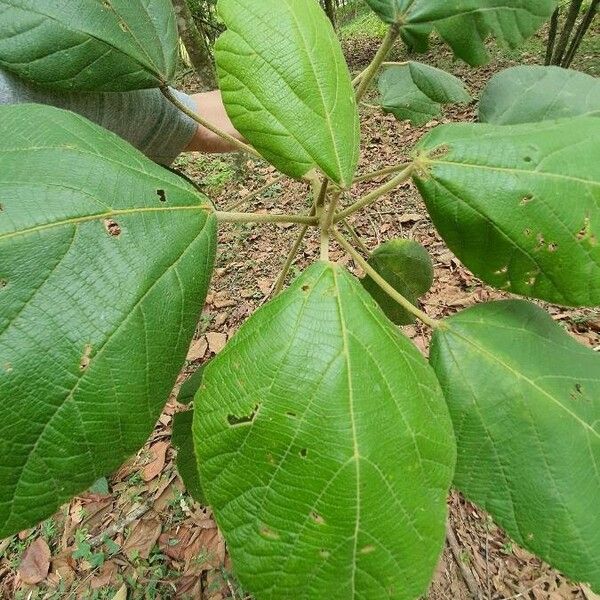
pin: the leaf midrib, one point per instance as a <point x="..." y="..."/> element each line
<point x="96" y="217"/>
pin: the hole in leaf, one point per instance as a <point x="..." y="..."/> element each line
<point x="162" y="196"/>
<point x="1" y="207"/>
<point x="540" y="239"/>
<point x="112" y="227"/>
<point x="526" y="199"/>
<point x="107" y="4"/>
<point x="440" y="151"/>
<point x="502" y="271"/>
<point x="552" y="247"/>
<point x="84" y="363"/>
<point x="306" y="288"/>
<point x="8" y="367"/>
<point x="317" y="518"/>
<point x="291" y="415"/>
<point x="578" y="391"/>
<point x="123" y="26"/>
<point x="527" y="232"/>
<point x="3" y="283"/>
<point x="303" y="453"/>
<point x="368" y="549"/>
<point x="528" y="159"/>
<point x="324" y="553"/>
<point x="234" y="420"/>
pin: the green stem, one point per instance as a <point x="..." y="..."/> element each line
<point x="380" y="173"/>
<point x="405" y="175"/>
<point x="383" y="284"/>
<point x="254" y="194"/>
<point x="196" y="117"/>
<point x="369" y="73"/>
<point x="241" y="217"/>
<point x="356" y="237"/>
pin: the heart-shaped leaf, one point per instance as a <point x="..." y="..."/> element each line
<point x="325" y="448"/>
<point x="408" y="268"/>
<point x="525" y="401"/>
<point x="105" y="259"/>
<point x="416" y="92"/>
<point x="287" y="88"/>
<point x="520" y="204"/>
<point x="530" y="93"/>
<point x="90" y="45"/>
<point x="465" y="24"/>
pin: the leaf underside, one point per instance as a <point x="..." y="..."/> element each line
<point x="105" y="259"/>
<point x="408" y="268"/>
<point x="527" y="94"/>
<point x="287" y="88"/>
<point x="90" y="45"/>
<point x="465" y="24"/>
<point x="325" y="448"/>
<point x="416" y="92"/>
<point x="525" y="402"/>
<point x="187" y="465"/>
<point x="520" y="205"/>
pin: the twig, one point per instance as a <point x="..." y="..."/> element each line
<point x="196" y="117"/>
<point x="242" y="217"/>
<point x="467" y="575"/>
<point x="120" y="525"/>
<point x="254" y="194"/>
<point x="379" y="173"/>
<point x="356" y="237"/>
<point x="382" y="283"/>
<point x="376" y="194"/>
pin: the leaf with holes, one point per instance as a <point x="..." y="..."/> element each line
<point x="187" y="465"/>
<point x="416" y="92"/>
<point x="287" y="88"/>
<point x="525" y="402"/>
<point x="89" y="45"/>
<point x="408" y="268"/>
<point x="105" y="258"/>
<point x="527" y="94"/>
<point x="325" y="447"/>
<point x="520" y="204"/>
<point x="465" y="24"/>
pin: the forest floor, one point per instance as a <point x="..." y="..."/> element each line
<point x="138" y="534"/>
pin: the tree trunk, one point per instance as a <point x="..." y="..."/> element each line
<point x="580" y="34"/>
<point x="195" y="44"/>
<point x="330" y="10"/>
<point x="566" y="32"/>
<point x="552" y="36"/>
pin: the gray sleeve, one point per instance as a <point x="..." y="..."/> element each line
<point x="144" y="118"/>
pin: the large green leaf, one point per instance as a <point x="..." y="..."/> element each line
<point x="286" y="86"/>
<point x="531" y="93"/>
<point x="416" y="92"/>
<point x="105" y="258"/>
<point x="408" y="268"/>
<point x="520" y="204"/>
<point x="89" y="45"/>
<point x="325" y="448"/>
<point x="525" y="402"/>
<point x="465" y="24"/>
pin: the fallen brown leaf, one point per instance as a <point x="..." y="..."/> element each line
<point x="35" y="565"/>
<point x="144" y="534"/>
<point x="155" y="466"/>
<point x="216" y="341"/>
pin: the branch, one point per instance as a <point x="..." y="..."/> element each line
<point x="383" y="284"/>
<point x="380" y="172"/>
<point x="241" y="217"/>
<point x="376" y="194"/>
<point x="196" y="117"/>
<point x="365" y="78"/>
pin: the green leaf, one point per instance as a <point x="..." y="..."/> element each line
<point x="105" y="259"/>
<point x="525" y="402"/>
<point x="187" y="465"/>
<point x="465" y="24"/>
<point x="190" y="386"/>
<point x="528" y="94"/>
<point x="520" y="204"/>
<point x="325" y="448"/>
<point x="416" y="92"/>
<point x="287" y="88"/>
<point x="90" y="45"/>
<point x="408" y="268"/>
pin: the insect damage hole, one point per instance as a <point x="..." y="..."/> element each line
<point x="317" y="518"/>
<point x="235" y="421"/>
<point x="84" y="363"/>
<point x="112" y="227"/>
<point x="303" y="453"/>
<point x="162" y="195"/>
<point x="526" y="199"/>
<point x="3" y="283"/>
